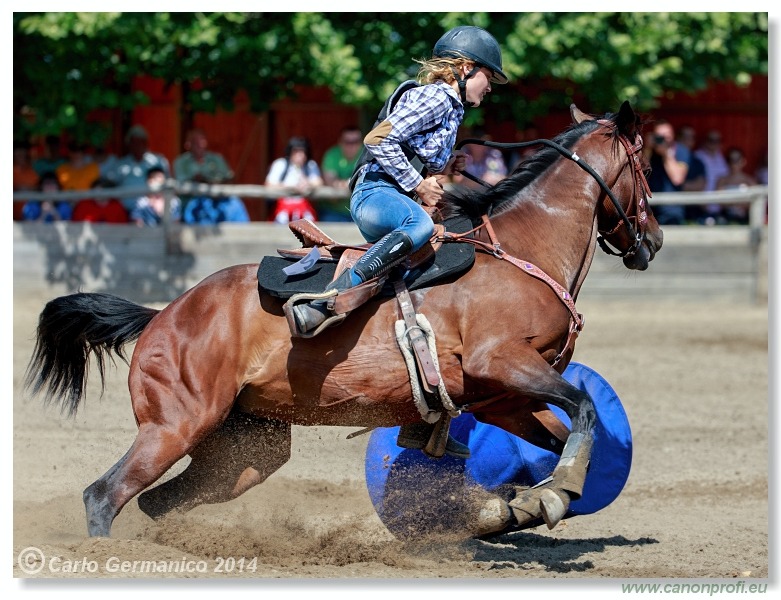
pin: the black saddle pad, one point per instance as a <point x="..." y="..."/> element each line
<point x="451" y="259"/>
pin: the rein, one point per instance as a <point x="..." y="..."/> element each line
<point x="493" y="247"/>
<point x="632" y="153"/>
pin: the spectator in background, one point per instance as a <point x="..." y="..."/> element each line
<point x="669" y="166"/>
<point x="518" y="155"/>
<point x="150" y="209"/>
<point x="695" y="177"/>
<point x="338" y="165"/>
<point x="761" y="173"/>
<point x="199" y="165"/>
<point x="761" y="176"/>
<point x="295" y="170"/>
<point x="715" y="167"/>
<point x="713" y="158"/>
<point x="131" y="170"/>
<point x="210" y="211"/>
<point x="79" y="172"/>
<point x="483" y="162"/>
<point x="25" y="177"/>
<point x="735" y="179"/>
<point x="100" y="210"/>
<point x="51" y="158"/>
<point x="107" y="163"/>
<point x="47" y="211"/>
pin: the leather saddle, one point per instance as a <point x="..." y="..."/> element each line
<point x="322" y="259"/>
<point x="329" y="250"/>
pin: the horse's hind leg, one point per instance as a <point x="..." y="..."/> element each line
<point x="153" y="452"/>
<point x="242" y="453"/>
<point x="171" y="422"/>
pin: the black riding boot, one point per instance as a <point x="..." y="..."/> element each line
<point x="378" y="260"/>
<point x="310" y="316"/>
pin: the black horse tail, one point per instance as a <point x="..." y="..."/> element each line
<point x="71" y="328"/>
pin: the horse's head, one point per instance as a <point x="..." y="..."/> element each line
<point x="624" y="218"/>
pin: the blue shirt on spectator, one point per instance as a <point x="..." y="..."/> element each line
<point x="659" y="181"/>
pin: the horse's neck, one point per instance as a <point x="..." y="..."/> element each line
<point x="552" y="224"/>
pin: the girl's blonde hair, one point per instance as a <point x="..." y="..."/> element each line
<point x="441" y="69"/>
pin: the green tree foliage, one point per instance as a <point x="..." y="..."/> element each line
<point x="67" y="65"/>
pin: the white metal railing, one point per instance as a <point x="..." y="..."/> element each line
<point x="172" y="187"/>
<point x="755" y="196"/>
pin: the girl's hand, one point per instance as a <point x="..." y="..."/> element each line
<point x="429" y="191"/>
<point x="456" y="164"/>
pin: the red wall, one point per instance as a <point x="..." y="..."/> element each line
<point x="740" y="114"/>
<point x="248" y="141"/>
<point x="251" y="141"/>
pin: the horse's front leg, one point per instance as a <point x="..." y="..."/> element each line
<point x="525" y="373"/>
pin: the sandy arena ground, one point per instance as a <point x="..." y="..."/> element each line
<point x="694" y="382"/>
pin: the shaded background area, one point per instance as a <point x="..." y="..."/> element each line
<point x="696" y="263"/>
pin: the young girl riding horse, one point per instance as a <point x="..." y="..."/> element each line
<point x="423" y="125"/>
<point x="421" y="128"/>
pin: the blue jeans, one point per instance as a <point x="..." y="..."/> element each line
<point x="202" y="210"/>
<point x="379" y="207"/>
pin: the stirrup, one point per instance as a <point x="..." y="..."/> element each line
<point x="306" y="297"/>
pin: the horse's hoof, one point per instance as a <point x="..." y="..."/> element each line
<point x="526" y="506"/>
<point x="494" y="516"/>
<point x="100" y="513"/>
<point x="554" y="505"/>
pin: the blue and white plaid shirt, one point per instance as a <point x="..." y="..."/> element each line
<point x="419" y="110"/>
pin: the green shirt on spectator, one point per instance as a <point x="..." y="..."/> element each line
<point x="212" y="168"/>
<point x="342" y="167"/>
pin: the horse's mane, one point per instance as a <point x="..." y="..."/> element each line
<point x="475" y="203"/>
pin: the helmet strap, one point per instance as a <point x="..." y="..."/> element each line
<point x="462" y="83"/>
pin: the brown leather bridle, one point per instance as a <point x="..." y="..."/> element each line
<point x="637" y="205"/>
<point x="637" y="216"/>
<point x="637" y="229"/>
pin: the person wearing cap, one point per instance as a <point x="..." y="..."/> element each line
<point x="411" y="143"/>
<point x="131" y="170"/>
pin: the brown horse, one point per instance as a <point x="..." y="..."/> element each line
<point x="216" y="375"/>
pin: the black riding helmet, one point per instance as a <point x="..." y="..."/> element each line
<point x="475" y="44"/>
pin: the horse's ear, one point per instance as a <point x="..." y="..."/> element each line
<point x="578" y="116"/>
<point x="627" y="120"/>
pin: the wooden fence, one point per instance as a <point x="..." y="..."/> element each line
<point x="159" y="263"/>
